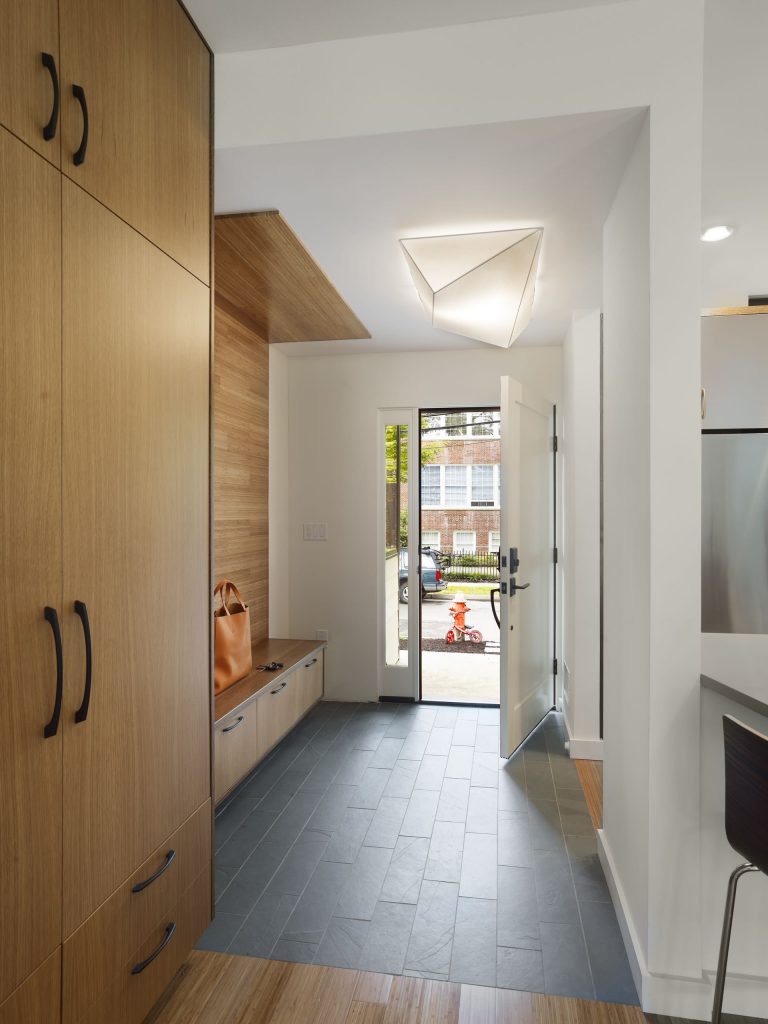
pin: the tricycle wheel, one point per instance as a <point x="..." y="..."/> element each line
<point x="450" y="637"/>
<point x="475" y="636"/>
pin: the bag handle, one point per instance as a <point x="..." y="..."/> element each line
<point x="225" y="590"/>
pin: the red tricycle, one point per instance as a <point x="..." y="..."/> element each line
<point x="460" y="630"/>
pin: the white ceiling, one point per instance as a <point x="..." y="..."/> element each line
<point x="233" y="25"/>
<point x="351" y="200"/>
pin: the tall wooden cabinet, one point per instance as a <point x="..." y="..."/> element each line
<point x="105" y="784"/>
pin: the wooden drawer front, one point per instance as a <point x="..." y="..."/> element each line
<point x="36" y="1000"/>
<point x="96" y="954"/>
<point x="278" y="710"/>
<point x="309" y="679"/>
<point x="237" y="746"/>
<point x="131" y="996"/>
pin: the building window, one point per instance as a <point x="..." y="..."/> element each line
<point x="455" y="486"/>
<point x="430" y="539"/>
<point x="482" y="424"/>
<point x="456" y="424"/>
<point x="465" y="540"/>
<point x="430" y="486"/>
<point x="494" y="540"/>
<point x="482" y="486"/>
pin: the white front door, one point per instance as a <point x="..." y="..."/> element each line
<point x="527" y="548"/>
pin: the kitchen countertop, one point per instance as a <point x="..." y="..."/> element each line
<point x="754" y="697"/>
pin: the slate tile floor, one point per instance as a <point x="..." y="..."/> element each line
<point x="392" y="838"/>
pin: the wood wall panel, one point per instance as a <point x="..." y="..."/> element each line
<point x="241" y="461"/>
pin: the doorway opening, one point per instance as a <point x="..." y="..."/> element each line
<point x="459" y="541"/>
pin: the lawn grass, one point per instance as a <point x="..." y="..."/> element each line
<point x="469" y="588"/>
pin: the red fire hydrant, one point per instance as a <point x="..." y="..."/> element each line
<point x="460" y="630"/>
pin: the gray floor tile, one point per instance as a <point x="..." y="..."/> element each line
<point x="488" y="716"/>
<point x="388" y="936"/>
<point x="487" y="739"/>
<point x="454" y="799"/>
<point x="348" y="838"/>
<point x="246" y="887"/>
<point x="241" y="844"/>
<point x="608" y="959"/>
<point x="518" y="912"/>
<point x="332" y="806"/>
<point x="406" y="871"/>
<point x="539" y="782"/>
<point x="342" y="943"/>
<point x="282" y="791"/>
<point x="420" y="816"/>
<point x="431" y="772"/>
<point x="574" y="814"/>
<point x="295" y="952"/>
<point x="512" y="794"/>
<point x="521" y="969"/>
<point x="386" y="822"/>
<point x="440" y="741"/>
<point x="232" y="816"/>
<point x="414" y="746"/>
<point x="566" y="967"/>
<point x="478" y="867"/>
<point x="387" y="752"/>
<point x="361" y="890"/>
<point x="467" y="713"/>
<point x="353" y="767"/>
<point x="555" y="891"/>
<point x="459" y="763"/>
<point x="299" y="864"/>
<point x="323" y="771"/>
<point x="371" y="788"/>
<point x="544" y="821"/>
<point x="368" y="734"/>
<point x="431" y="942"/>
<point x="402" y="779"/>
<point x="446" y="717"/>
<point x="295" y="816"/>
<point x="317" y="903"/>
<point x="464" y="732"/>
<point x="261" y="929"/>
<point x="473" y="960"/>
<point x="482" y="812"/>
<point x="485" y="768"/>
<point x="588" y="875"/>
<point x="515" y="848"/>
<point x="220" y="932"/>
<point x="445" y="851"/>
<point x="564" y="773"/>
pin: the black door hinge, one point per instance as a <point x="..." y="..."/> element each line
<point x="554" y="443"/>
<point x="554" y="666"/>
<point x="555" y="556"/>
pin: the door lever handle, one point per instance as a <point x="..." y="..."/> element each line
<point x="514" y="586"/>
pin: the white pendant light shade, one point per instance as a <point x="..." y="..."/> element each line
<point x="478" y="285"/>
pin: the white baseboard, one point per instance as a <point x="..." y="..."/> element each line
<point x="666" y="994"/>
<point x="583" y="749"/>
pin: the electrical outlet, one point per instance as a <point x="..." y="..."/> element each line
<point x="321" y="634"/>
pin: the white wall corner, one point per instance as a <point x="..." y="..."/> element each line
<point x="583" y="748"/>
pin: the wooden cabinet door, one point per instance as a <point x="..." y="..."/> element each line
<point x="38" y="999"/>
<point x="30" y="559"/>
<point x="145" y="73"/>
<point x="278" y="710"/>
<point x="136" y="552"/>
<point x="28" y="29"/>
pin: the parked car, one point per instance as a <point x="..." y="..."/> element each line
<point x="432" y="575"/>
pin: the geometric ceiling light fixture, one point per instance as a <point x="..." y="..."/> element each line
<point x="479" y="285"/>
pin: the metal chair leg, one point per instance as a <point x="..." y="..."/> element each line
<point x="725" y="940"/>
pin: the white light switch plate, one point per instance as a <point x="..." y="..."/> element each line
<point x="315" y="531"/>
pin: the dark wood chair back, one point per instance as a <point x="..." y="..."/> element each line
<point x="746" y="791"/>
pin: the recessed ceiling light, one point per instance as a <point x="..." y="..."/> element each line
<point x="717" y="233"/>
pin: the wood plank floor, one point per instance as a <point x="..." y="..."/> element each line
<point x="591" y="778"/>
<point x="217" y="988"/>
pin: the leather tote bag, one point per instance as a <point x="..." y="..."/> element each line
<point x="232" y="658"/>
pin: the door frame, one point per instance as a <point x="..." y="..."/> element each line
<point x="420" y="412"/>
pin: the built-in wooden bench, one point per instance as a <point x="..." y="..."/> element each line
<point x="254" y="714"/>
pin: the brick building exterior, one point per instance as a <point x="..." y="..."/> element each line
<point x="460" y="486"/>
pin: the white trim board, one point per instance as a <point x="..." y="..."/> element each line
<point x="583" y="749"/>
<point x="674" y="996"/>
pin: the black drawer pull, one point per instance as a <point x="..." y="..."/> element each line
<point x="53" y="726"/>
<point x="49" y="130"/>
<point x="82" y="612"/>
<point x="282" y="686"/>
<point x="170" y="857"/>
<point x="235" y="724"/>
<point x="311" y="663"/>
<point x="143" y="964"/>
<point x="78" y="156"/>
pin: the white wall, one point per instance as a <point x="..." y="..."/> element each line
<point x="334" y="449"/>
<point x="279" y="495"/>
<point x="579" y="431"/>
<point x="626" y="667"/>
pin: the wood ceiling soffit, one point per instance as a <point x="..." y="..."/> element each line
<point x="270" y="282"/>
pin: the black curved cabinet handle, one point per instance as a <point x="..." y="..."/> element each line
<point x="235" y="724"/>
<point x="49" y="130"/>
<point x="82" y="712"/>
<point x="53" y="726"/>
<point x="170" y="857"/>
<point x="309" y="664"/>
<point x="144" y="964"/>
<point x="78" y="156"/>
<point x="282" y="686"/>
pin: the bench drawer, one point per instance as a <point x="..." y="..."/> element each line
<point x="237" y="746"/>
